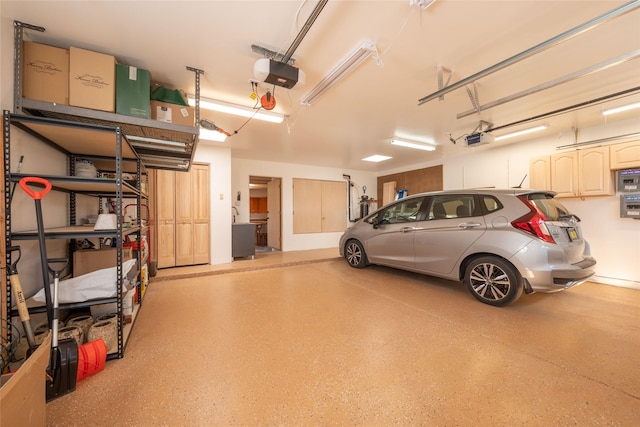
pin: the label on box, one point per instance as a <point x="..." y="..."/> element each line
<point x="185" y="112"/>
<point x="163" y="114"/>
<point x="92" y="80"/>
<point x="39" y="66"/>
<point x="133" y="73"/>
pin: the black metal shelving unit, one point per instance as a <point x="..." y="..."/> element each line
<point x="116" y="143"/>
<point x="91" y="140"/>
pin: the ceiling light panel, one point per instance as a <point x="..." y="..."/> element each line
<point x="376" y="158"/>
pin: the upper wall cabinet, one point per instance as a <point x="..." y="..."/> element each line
<point x="625" y="155"/>
<point x="540" y="173"/>
<point x="564" y="174"/>
<point x="573" y="174"/>
<point x="594" y="174"/>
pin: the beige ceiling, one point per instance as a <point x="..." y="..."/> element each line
<point x="357" y="117"/>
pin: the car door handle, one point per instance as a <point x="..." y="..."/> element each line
<point x="466" y="225"/>
<point x="406" y="229"/>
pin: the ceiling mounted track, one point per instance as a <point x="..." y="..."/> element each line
<point x="587" y="26"/>
<point x="573" y="107"/>
<point x="569" y="77"/>
<point x="287" y="56"/>
<point x="303" y="31"/>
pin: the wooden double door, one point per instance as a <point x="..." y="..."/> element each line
<point x="183" y="217"/>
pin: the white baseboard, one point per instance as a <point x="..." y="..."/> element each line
<point x="631" y="284"/>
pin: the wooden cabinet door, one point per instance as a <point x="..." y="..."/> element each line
<point x="625" y="155"/>
<point x="184" y="219"/>
<point x="166" y="221"/>
<point x="262" y="205"/>
<point x="334" y="206"/>
<point x="254" y="204"/>
<point x="307" y="206"/>
<point x="594" y="174"/>
<point x="564" y="174"/>
<point x="201" y="222"/>
<point x="540" y="173"/>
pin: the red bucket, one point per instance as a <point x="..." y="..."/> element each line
<point x="92" y="357"/>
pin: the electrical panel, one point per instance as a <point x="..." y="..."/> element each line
<point x="630" y="206"/>
<point x="629" y="180"/>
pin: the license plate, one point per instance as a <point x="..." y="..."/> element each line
<point x="573" y="234"/>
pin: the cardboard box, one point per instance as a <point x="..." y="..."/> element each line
<point x="88" y="260"/>
<point x="173" y="113"/>
<point x="92" y="80"/>
<point x="133" y="91"/>
<point x="23" y="394"/>
<point x="45" y="73"/>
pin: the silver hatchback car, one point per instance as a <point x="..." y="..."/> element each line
<point x="501" y="243"/>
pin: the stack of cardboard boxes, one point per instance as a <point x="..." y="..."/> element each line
<point x="87" y="79"/>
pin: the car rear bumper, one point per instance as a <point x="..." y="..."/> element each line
<point x="563" y="277"/>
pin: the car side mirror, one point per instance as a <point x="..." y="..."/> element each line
<point x="375" y="222"/>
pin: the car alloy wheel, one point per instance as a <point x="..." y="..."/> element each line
<point x="493" y="281"/>
<point x="354" y="253"/>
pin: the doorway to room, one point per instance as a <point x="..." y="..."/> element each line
<point x="265" y="201"/>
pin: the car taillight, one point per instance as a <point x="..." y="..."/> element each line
<point x="533" y="222"/>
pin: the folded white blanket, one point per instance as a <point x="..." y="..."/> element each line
<point x="97" y="284"/>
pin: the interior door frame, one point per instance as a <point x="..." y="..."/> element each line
<point x="274" y="209"/>
<point x="274" y="214"/>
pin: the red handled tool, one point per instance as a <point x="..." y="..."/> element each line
<point x="63" y="363"/>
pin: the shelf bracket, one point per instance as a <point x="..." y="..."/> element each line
<point x="197" y="92"/>
<point x="18" y="37"/>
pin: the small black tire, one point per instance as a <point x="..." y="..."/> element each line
<point x="355" y="255"/>
<point x="493" y="281"/>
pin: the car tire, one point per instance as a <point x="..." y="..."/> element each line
<point x="493" y="281"/>
<point x="355" y="255"/>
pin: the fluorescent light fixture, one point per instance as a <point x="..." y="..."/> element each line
<point x="363" y="51"/>
<point x="212" y="135"/>
<point x="521" y="132"/>
<point x="621" y="109"/>
<point x="237" y="110"/>
<point x="416" y="145"/>
<point x="159" y="148"/>
<point x="137" y="140"/>
<point x="376" y="158"/>
<point x="164" y="162"/>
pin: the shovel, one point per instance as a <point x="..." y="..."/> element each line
<point x="23" y="311"/>
<point x="63" y="363"/>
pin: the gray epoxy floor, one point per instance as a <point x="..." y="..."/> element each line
<point x="325" y="344"/>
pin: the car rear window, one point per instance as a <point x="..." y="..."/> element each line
<point x="491" y="204"/>
<point x="552" y="209"/>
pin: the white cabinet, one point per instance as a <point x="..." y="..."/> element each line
<point x="625" y="155"/>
